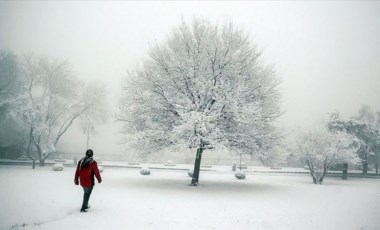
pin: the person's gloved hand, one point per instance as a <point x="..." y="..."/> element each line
<point x="76" y="182"/>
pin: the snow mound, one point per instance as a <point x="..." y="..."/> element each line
<point x="57" y="167"/>
<point x="240" y="175"/>
<point x="145" y="171"/>
<point x="190" y="173"/>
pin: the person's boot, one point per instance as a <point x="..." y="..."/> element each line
<point x="85" y="209"/>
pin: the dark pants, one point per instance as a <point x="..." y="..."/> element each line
<point x="86" y="196"/>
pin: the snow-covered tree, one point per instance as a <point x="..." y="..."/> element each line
<point x="365" y="128"/>
<point x="12" y="129"/>
<point x="9" y="80"/>
<point x="322" y="149"/>
<point x="203" y="87"/>
<point x="52" y="100"/>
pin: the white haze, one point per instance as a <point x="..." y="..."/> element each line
<point x="327" y="54"/>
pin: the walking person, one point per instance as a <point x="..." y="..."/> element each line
<point x="87" y="168"/>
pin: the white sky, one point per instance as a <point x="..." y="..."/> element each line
<point x="327" y="54"/>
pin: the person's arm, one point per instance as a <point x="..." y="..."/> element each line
<point x="77" y="175"/>
<point x="96" y="172"/>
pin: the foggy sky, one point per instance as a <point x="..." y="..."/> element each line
<point x="327" y="54"/>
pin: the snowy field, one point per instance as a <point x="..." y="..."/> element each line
<point x="43" y="199"/>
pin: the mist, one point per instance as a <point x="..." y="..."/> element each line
<point x="172" y="118"/>
<point x="326" y="54"/>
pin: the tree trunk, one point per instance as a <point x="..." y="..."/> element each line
<point x="314" y="179"/>
<point x="325" y="168"/>
<point x="240" y="160"/>
<point x="321" y="179"/>
<point x="28" y="149"/>
<point x="43" y="158"/>
<point x="365" y="167"/>
<point x="197" y="165"/>
<point x="345" y="169"/>
<point x="311" y="172"/>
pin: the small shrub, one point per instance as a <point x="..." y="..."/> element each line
<point x="190" y="173"/>
<point x="145" y="171"/>
<point x="57" y="167"/>
<point x="240" y="175"/>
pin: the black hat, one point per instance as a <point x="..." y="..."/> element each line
<point x="89" y="153"/>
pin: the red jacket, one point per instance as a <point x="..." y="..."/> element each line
<point x="87" y="168"/>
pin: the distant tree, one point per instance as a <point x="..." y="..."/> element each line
<point x="372" y="119"/>
<point x="365" y="114"/>
<point x="364" y="127"/>
<point x="203" y="87"/>
<point x="12" y="129"/>
<point x="95" y="95"/>
<point x="323" y="149"/>
<point x="13" y="136"/>
<point x="51" y="102"/>
<point x="9" y="80"/>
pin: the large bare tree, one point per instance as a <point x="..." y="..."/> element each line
<point x="204" y="86"/>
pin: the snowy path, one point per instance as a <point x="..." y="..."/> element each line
<point x="43" y="199"/>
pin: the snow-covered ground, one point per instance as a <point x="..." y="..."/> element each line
<point x="43" y="199"/>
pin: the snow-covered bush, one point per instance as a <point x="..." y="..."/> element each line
<point x="190" y="173"/>
<point x="101" y="169"/>
<point x="145" y="171"/>
<point x="169" y="163"/>
<point x="240" y="175"/>
<point x="323" y="149"/>
<point x="57" y="167"/>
